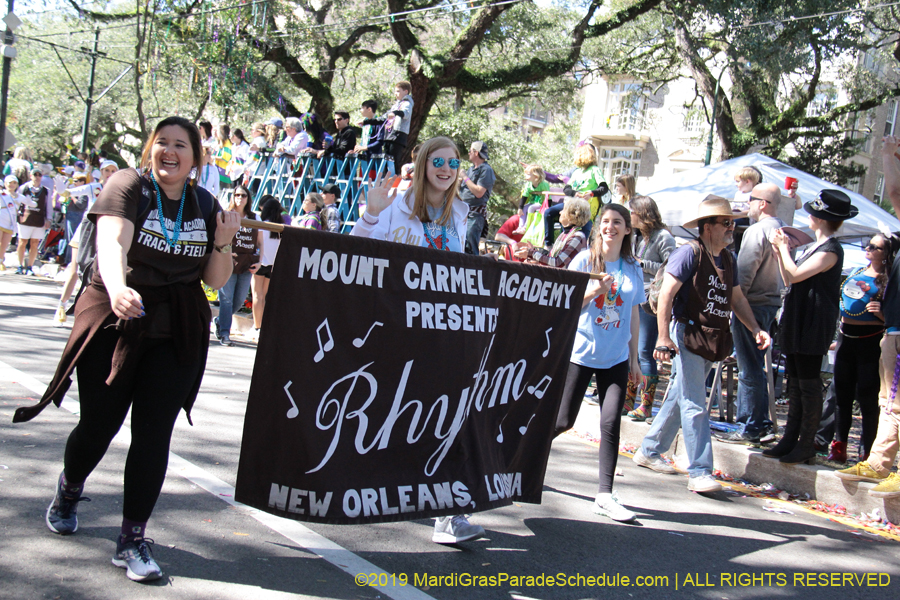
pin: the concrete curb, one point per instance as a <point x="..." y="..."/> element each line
<point x="744" y="462"/>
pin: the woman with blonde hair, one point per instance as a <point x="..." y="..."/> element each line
<point x="587" y="183"/>
<point x="428" y="214"/>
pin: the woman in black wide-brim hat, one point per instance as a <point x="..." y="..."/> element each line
<point x="809" y="319"/>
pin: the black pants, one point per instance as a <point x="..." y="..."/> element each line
<point x="396" y="147"/>
<point x="611" y="384"/>
<point x="856" y="376"/>
<point x="156" y="393"/>
<point x="803" y="366"/>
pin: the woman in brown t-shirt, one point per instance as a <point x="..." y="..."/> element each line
<point x="141" y="333"/>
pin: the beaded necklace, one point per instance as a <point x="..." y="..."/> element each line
<point x="176" y="233"/>
<point x="204" y="176"/>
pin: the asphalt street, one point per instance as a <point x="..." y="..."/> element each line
<point x="684" y="545"/>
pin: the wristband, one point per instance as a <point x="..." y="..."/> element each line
<point x="366" y="216"/>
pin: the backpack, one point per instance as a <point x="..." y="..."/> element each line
<point x="87" y="239"/>
<point x="652" y="304"/>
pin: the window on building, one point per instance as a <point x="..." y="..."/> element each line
<point x="878" y="196"/>
<point x="620" y="161"/>
<point x="822" y="103"/>
<point x="890" y="119"/>
<point x="695" y="123"/>
<point x="855" y="185"/>
<point x="862" y="130"/>
<point x="874" y="62"/>
<point x="628" y="106"/>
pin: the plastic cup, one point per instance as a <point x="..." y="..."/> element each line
<point x="789" y="182"/>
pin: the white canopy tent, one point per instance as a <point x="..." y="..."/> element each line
<point x="678" y="201"/>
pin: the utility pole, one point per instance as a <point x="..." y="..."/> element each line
<point x="90" y="91"/>
<point x="8" y="54"/>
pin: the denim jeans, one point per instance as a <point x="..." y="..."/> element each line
<point x="73" y="220"/>
<point x="647" y="342"/>
<point x="231" y="298"/>
<point x="685" y="408"/>
<point x="753" y="386"/>
<point x="474" y="227"/>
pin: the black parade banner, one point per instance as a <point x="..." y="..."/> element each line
<point x="395" y="383"/>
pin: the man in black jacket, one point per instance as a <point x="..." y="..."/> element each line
<point x="344" y="139"/>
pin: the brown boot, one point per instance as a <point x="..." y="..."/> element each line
<point x="648" y="393"/>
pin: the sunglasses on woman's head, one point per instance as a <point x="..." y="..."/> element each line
<point x="439" y="162"/>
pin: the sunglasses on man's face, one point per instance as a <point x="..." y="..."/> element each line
<point x="726" y="223"/>
<point x="752" y="198"/>
<point x="439" y="162"/>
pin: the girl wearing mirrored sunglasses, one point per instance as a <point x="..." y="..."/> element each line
<point x="428" y="214"/>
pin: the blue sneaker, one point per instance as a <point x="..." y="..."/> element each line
<point x="135" y="556"/>
<point x="61" y="517"/>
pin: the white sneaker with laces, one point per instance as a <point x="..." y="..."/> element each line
<point x="703" y="484"/>
<point x="607" y="505"/>
<point x="656" y="464"/>
<point x="455" y="529"/>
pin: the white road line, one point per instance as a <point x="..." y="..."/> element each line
<point x="295" y="531"/>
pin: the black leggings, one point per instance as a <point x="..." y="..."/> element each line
<point x="156" y="393"/>
<point x="856" y="376"/>
<point x="611" y="385"/>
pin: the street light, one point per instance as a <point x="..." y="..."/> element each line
<point x="712" y="125"/>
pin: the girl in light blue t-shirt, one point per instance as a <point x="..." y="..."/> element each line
<point x="606" y="344"/>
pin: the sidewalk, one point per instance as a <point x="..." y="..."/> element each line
<point x="744" y="462"/>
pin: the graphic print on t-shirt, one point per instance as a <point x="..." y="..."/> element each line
<point x="191" y="242"/>
<point x="856" y="289"/>
<point x="609" y="304"/>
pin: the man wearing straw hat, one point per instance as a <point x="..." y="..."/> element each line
<point x="702" y="313"/>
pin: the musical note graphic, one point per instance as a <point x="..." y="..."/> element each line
<point x="500" y="435"/>
<point x="328" y="344"/>
<point x="293" y="411"/>
<point x="547" y="333"/>
<point x="358" y="342"/>
<point x="536" y="389"/>
<point x="522" y="430"/>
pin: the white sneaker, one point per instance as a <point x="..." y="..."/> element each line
<point x="455" y="529"/>
<point x="253" y="335"/>
<point x="608" y="505"/>
<point x="656" y="464"/>
<point x="704" y="484"/>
